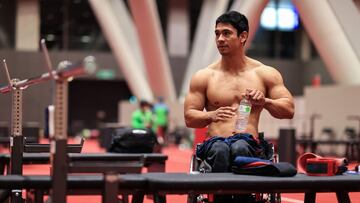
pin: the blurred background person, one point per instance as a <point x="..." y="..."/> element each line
<point x="142" y="117"/>
<point x="161" y="119"/>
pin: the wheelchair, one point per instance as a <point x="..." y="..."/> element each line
<point x="258" y="197"/>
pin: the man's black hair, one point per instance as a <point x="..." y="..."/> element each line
<point x="236" y="19"/>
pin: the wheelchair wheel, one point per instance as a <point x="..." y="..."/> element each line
<point x="275" y="198"/>
<point x="197" y="198"/>
<point x="191" y="199"/>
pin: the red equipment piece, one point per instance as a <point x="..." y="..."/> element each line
<point x="321" y="167"/>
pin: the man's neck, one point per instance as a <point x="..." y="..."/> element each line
<point x="234" y="62"/>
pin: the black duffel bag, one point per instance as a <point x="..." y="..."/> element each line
<point x="130" y="140"/>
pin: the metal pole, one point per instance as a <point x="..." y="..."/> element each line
<point x="16" y="139"/>
<point x="58" y="143"/>
<point x="87" y="66"/>
<point x="110" y="191"/>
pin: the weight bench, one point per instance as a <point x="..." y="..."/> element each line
<point x="107" y="163"/>
<point x="228" y="183"/>
<point x="83" y="184"/>
<point x="154" y="162"/>
<point x="182" y="183"/>
<point x="38" y="147"/>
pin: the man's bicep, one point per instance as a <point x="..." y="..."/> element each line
<point x="279" y="91"/>
<point x="195" y="100"/>
<point x="275" y="86"/>
<point x="196" y="97"/>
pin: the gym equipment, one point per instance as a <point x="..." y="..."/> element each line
<point x="203" y="183"/>
<point x="62" y="163"/>
<point x="16" y="88"/>
<point x="85" y="184"/>
<point x="321" y="167"/>
<point x="315" y="165"/>
<point x="153" y="162"/>
<point x="228" y="183"/>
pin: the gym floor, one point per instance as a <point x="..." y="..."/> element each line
<point x="179" y="160"/>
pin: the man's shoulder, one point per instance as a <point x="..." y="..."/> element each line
<point x="268" y="73"/>
<point x="209" y="68"/>
<point x="265" y="69"/>
<point x="205" y="72"/>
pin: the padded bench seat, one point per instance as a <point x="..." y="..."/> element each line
<point x="155" y="162"/>
<point x="78" y="185"/>
<point x="222" y="183"/>
<point x="182" y="183"/>
<point x="214" y="183"/>
<point x="126" y="182"/>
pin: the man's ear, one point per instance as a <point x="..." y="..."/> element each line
<point x="244" y="36"/>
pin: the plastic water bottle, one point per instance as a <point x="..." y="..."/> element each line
<point x="243" y="115"/>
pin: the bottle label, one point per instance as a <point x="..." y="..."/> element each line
<point x="245" y="109"/>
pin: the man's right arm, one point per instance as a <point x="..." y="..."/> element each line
<point x="195" y="116"/>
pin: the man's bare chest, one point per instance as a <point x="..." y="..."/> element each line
<point x="228" y="90"/>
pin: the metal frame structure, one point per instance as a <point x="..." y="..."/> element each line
<point x="61" y="162"/>
<point x="59" y="141"/>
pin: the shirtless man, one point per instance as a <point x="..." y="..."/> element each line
<point x="219" y="89"/>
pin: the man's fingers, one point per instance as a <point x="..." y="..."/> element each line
<point x="227" y="108"/>
<point x="227" y="113"/>
<point x="249" y="90"/>
<point x="257" y="96"/>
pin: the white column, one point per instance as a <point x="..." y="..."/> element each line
<point x="120" y="46"/>
<point x="252" y="10"/>
<point x="347" y="13"/>
<point x="125" y="21"/>
<point x="27" y="37"/>
<point x="178" y="29"/>
<point x="328" y="35"/>
<point x="305" y="44"/>
<point x="153" y="47"/>
<point x="204" y="39"/>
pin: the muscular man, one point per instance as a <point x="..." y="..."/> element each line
<point x="216" y="91"/>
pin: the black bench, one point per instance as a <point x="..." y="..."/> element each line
<point x="182" y="183"/>
<point x="228" y="183"/>
<point x="81" y="184"/>
<point x="154" y="162"/>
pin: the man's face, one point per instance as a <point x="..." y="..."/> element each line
<point x="227" y="39"/>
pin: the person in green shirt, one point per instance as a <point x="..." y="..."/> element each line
<point x="142" y="117"/>
<point x="161" y="119"/>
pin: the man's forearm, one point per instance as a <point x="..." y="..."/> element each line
<point x="280" y="108"/>
<point x="197" y="119"/>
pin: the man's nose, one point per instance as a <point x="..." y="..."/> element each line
<point x="220" y="38"/>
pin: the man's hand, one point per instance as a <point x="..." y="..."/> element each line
<point x="222" y="113"/>
<point x="256" y="97"/>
